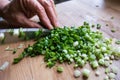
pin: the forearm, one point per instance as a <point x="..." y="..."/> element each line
<point x="3" y="4"/>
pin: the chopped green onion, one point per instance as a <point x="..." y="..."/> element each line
<point x="86" y="73"/>
<point x="106" y="78"/>
<point x="117" y="42"/>
<point x="2" y="37"/>
<point x="97" y="73"/>
<point x="75" y="43"/>
<point x="85" y="23"/>
<point x="107" y="63"/>
<point x="101" y="62"/>
<point x="116" y="52"/>
<point x="60" y="69"/>
<point x="93" y="25"/>
<point x="112" y="17"/>
<point x="20" y="46"/>
<point x="107" y="70"/>
<point x="110" y="61"/>
<point x="11" y="31"/>
<point x="103" y="49"/>
<point x="50" y="64"/>
<point x="113" y="30"/>
<point x="112" y="57"/>
<point x="92" y="57"/>
<point x="106" y="58"/>
<point x="14" y="51"/>
<point x="114" y="69"/>
<point x="94" y="64"/>
<point x="72" y="45"/>
<point x="16" y="33"/>
<point x="4" y="66"/>
<point x="81" y="63"/>
<point x="76" y="65"/>
<point x="77" y="73"/>
<point x="106" y="24"/>
<point x="98" y="26"/>
<point x="18" y="59"/>
<point x="111" y="75"/>
<point x="8" y="49"/>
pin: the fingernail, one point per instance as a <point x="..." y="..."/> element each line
<point x="57" y="24"/>
<point x="51" y="28"/>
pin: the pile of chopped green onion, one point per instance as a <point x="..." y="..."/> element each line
<point x="72" y="45"/>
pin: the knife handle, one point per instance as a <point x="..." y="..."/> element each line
<point x="5" y="25"/>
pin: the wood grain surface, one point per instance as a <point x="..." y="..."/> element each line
<point x="70" y="13"/>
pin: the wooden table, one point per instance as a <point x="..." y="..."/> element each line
<point x="70" y="13"/>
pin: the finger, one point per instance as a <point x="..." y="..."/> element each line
<point x="53" y="6"/>
<point x="50" y="12"/>
<point x="42" y="15"/>
<point x="35" y="6"/>
<point x="23" y="21"/>
<point x="32" y="24"/>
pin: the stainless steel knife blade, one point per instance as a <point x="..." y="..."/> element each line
<point x="29" y="32"/>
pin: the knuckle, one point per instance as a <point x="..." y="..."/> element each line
<point x="47" y="3"/>
<point x="41" y="9"/>
<point x="52" y="1"/>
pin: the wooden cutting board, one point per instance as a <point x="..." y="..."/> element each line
<point x="70" y="13"/>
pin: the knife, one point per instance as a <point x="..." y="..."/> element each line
<point x="29" y="32"/>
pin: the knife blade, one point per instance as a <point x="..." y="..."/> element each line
<point x="29" y="32"/>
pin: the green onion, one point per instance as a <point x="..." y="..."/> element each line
<point x="106" y="24"/>
<point x="18" y="59"/>
<point x="94" y="64"/>
<point x="107" y="63"/>
<point x="113" y="30"/>
<point x="98" y="26"/>
<point x="101" y="62"/>
<point x="16" y="33"/>
<point x="2" y="37"/>
<point x="11" y="31"/>
<point x="114" y="69"/>
<point x="107" y="70"/>
<point x="76" y="65"/>
<point x="21" y="34"/>
<point x="116" y="52"/>
<point x="92" y="57"/>
<point x="97" y="73"/>
<point x="14" y="51"/>
<point x="106" y="78"/>
<point x="75" y="43"/>
<point x="117" y="42"/>
<point x="86" y="73"/>
<point x="85" y="23"/>
<point x="103" y="49"/>
<point x="112" y="17"/>
<point x="110" y="61"/>
<point x="81" y="63"/>
<point x="93" y="25"/>
<point x="69" y="45"/>
<point x="111" y="75"/>
<point x="60" y="69"/>
<point x="50" y="64"/>
<point x="77" y="73"/>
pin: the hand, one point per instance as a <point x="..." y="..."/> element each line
<point x="18" y="13"/>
